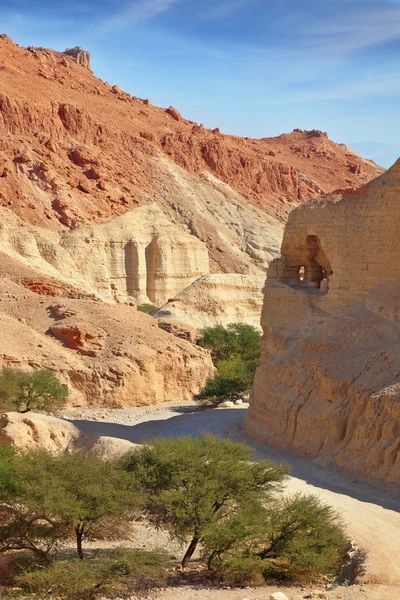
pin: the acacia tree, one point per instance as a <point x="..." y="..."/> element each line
<point x="31" y="390"/>
<point x="46" y="498"/>
<point x="92" y="489"/>
<point x="26" y="520"/>
<point x="193" y="483"/>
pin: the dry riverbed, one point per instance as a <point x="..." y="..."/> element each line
<point x="371" y="512"/>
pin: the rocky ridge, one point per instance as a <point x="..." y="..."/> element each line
<point x="216" y="300"/>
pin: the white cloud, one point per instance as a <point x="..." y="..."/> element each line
<point x="136" y="12"/>
<point x="372" y="85"/>
<point x="354" y="30"/>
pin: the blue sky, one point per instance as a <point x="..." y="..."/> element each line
<point x="251" y="67"/>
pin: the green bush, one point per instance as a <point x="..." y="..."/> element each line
<point x="237" y="339"/>
<point x="233" y="379"/>
<point x="194" y="483"/>
<point x="240" y="571"/>
<point x="235" y="351"/>
<point x="295" y="538"/>
<point x="31" y="390"/>
<point x="147" y="308"/>
<point x="113" y="573"/>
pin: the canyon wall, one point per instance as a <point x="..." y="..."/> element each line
<point x="329" y="381"/>
<point x="139" y="256"/>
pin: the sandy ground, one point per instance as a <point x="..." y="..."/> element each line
<point x="372" y="513"/>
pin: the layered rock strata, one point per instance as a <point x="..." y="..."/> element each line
<point x="329" y="380"/>
<point x="140" y="256"/>
<point x="217" y="300"/>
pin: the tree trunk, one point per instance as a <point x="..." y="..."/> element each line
<point x="189" y="552"/>
<point x="79" y="537"/>
<point x="211" y="558"/>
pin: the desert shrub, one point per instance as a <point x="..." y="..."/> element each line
<point x="147" y="308"/>
<point x="15" y="563"/>
<point x="240" y="571"/>
<point x="45" y="498"/>
<point x="235" y="351"/>
<point x="296" y="537"/>
<point x="26" y="521"/>
<point x="233" y="379"/>
<point x="237" y="339"/>
<point x="193" y="483"/>
<point x="116" y="572"/>
<point x="31" y="390"/>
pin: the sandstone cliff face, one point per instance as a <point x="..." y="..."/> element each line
<point x="329" y="380"/>
<point x="139" y="256"/>
<point x="108" y="355"/>
<point x="217" y="300"/>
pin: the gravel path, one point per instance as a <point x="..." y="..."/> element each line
<point x="372" y="513"/>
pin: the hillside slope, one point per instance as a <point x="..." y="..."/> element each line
<point x="74" y="150"/>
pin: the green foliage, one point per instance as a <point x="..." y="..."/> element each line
<point x="240" y="571"/>
<point x="147" y="308"/>
<point x="233" y="379"/>
<point x="235" y="351"/>
<point x="295" y="537"/>
<point x="237" y="339"/>
<point x="31" y="390"/>
<point x="112" y="573"/>
<point x="193" y="483"/>
<point x="25" y="485"/>
<point x="45" y="498"/>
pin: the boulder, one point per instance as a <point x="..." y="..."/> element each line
<point x="32" y="431"/>
<point x="174" y="113"/>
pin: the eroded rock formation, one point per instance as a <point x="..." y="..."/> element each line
<point x="108" y="355"/>
<point x="32" y="431"/>
<point x="217" y="299"/>
<point x="139" y="256"/>
<point x="81" y="56"/>
<point x="329" y="380"/>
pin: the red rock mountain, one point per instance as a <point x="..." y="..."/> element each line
<point x="75" y="149"/>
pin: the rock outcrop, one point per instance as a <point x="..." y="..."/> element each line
<point x="81" y="56"/>
<point x="108" y="355"/>
<point x="329" y="380"/>
<point x="32" y="431"/>
<point x="217" y="300"/>
<point x="140" y="256"/>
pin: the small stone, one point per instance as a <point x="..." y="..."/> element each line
<point x="278" y="596"/>
<point x="226" y="404"/>
<point x="238" y="402"/>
